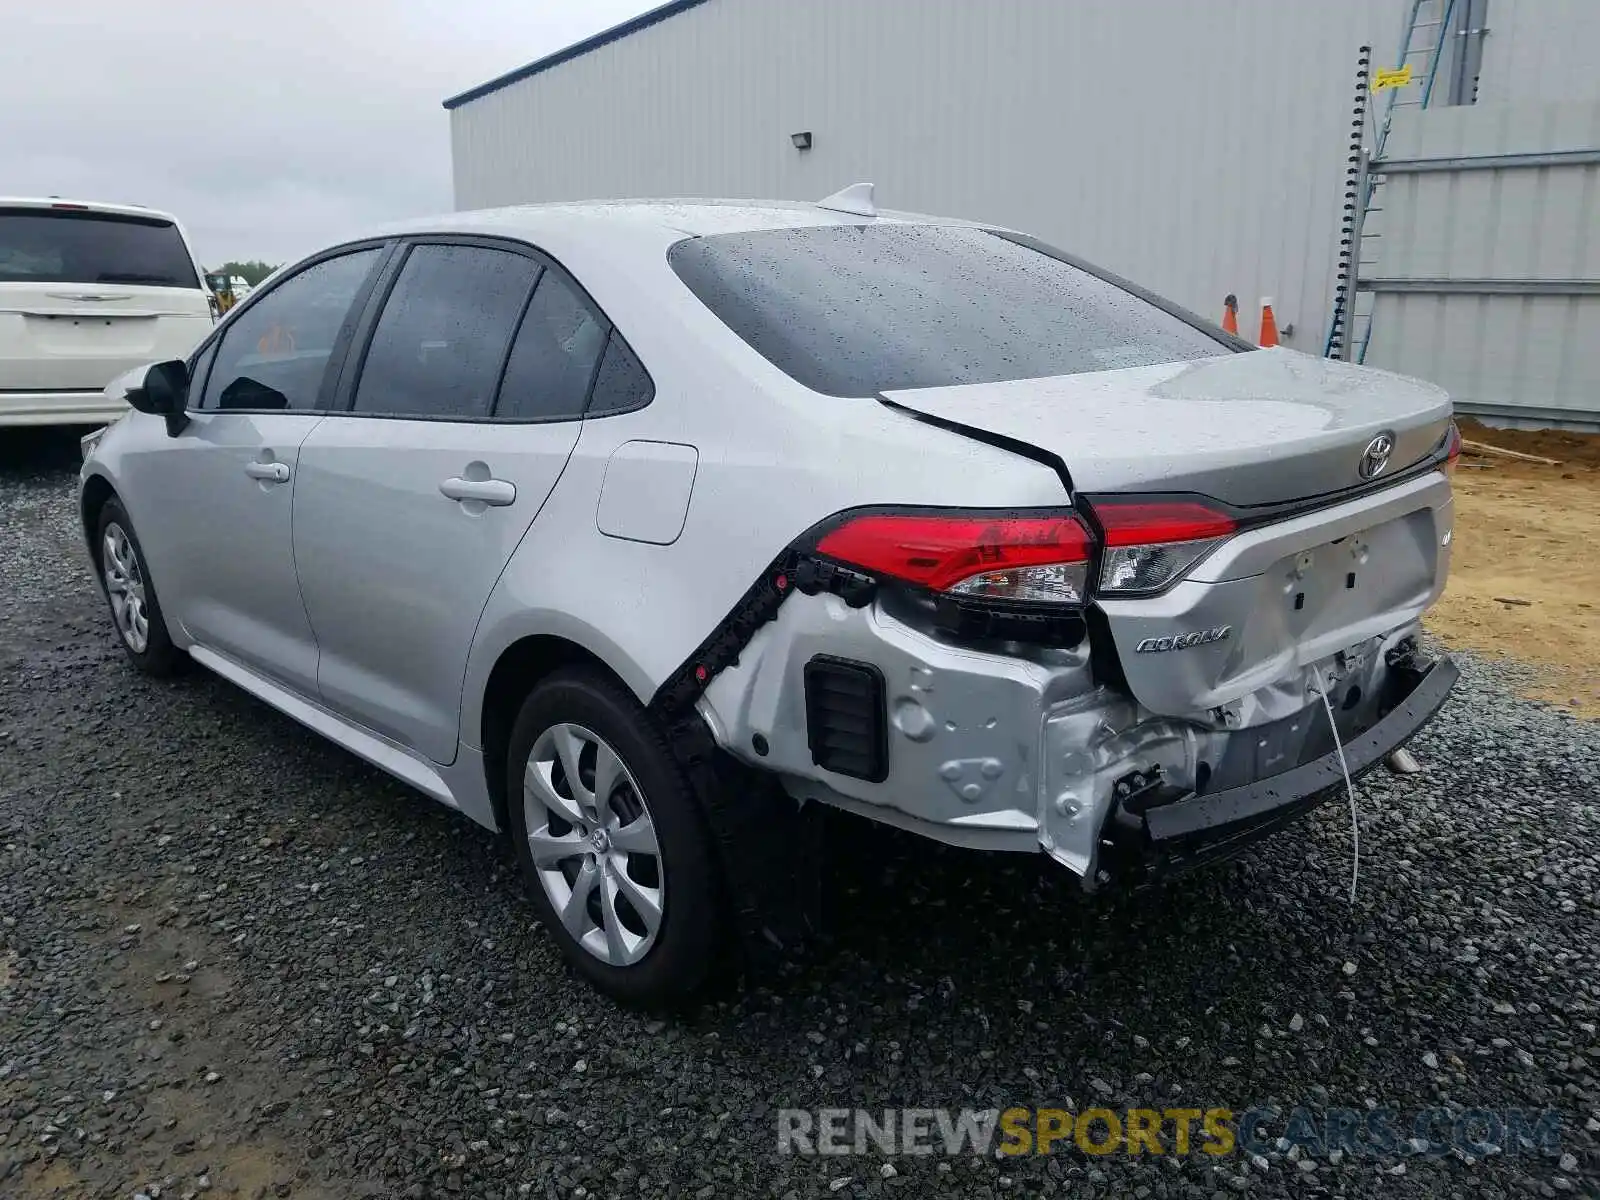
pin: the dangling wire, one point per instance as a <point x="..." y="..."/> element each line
<point x="1349" y="787"/>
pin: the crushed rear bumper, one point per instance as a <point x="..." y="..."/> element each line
<point x="1176" y="834"/>
<point x="1024" y="749"/>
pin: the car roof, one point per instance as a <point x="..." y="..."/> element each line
<point x="93" y="206"/>
<point x="678" y="218"/>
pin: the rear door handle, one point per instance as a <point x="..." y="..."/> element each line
<point x="271" y="472"/>
<point x="494" y="492"/>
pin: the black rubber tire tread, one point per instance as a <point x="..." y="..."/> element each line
<point x="160" y="658"/>
<point x="695" y="936"/>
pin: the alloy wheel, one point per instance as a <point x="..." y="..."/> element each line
<point x="593" y="844"/>
<point x="125" y="586"/>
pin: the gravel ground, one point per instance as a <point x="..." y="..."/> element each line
<point x="235" y="960"/>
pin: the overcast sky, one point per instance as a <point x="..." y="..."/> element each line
<point x="269" y="127"/>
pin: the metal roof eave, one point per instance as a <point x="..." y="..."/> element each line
<point x="604" y="38"/>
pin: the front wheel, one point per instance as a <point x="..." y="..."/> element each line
<point x="611" y="842"/>
<point x="135" y="608"/>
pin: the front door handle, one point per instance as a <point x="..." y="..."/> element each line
<point x="496" y="493"/>
<point x="270" y="472"/>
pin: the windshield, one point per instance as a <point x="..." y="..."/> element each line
<point x="855" y="310"/>
<point x="67" y="246"/>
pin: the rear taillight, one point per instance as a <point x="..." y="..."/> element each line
<point x="1025" y="559"/>
<point x="1152" y="543"/>
<point x="1452" y="451"/>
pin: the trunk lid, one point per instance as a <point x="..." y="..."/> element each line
<point x="1253" y="428"/>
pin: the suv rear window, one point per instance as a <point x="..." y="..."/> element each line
<point x="853" y="310"/>
<point x="67" y="246"/>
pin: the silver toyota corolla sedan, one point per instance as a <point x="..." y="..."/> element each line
<point x="637" y="530"/>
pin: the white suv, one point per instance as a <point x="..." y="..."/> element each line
<point x="86" y="292"/>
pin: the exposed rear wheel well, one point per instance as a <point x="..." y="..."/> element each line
<point x="520" y="666"/>
<point x="96" y="491"/>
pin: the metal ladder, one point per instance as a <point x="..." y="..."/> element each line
<point x="1421" y="46"/>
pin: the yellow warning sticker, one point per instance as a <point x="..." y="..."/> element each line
<point x="1398" y="77"/>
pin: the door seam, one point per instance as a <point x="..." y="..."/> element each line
<point x="461" y="699"/>
<point x="299" y="587"/>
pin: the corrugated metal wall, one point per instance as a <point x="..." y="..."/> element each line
<point x="1486" y="268"/>
<point x="1541" y="50"/>
<point x="1197" y="148"/>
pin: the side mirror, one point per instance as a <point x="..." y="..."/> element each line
<point x="164" y="393"/>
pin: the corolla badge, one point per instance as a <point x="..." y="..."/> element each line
<point x="1183" y="641"/>
<point x="1376" y="456"/>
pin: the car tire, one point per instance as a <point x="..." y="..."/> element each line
<point x="595" y="894"/>
<point x="131" y="595"/>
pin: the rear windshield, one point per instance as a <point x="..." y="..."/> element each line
<point x="854" y="310"/>
<point x="63" y="246"/>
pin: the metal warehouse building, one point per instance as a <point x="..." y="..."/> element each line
<point x="1446" y="225"/>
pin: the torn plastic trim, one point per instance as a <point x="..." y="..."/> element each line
<point x="767" y="846"/>
<point x="722" y="646"/>
<point x="769" y="850"/>
<point x="789" y="573"/>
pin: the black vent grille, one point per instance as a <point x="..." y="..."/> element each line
<point x="846" y="718"/>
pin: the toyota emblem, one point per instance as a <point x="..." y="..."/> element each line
<point x="1376" y="456"/>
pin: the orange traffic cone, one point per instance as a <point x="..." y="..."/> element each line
<point x="1269" y="323"/>
<point x="1230" y="314"/>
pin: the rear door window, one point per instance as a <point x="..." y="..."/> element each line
<point x="622" y="384"/>
<point x="855" y="310"/>
<point x="274" y="355"/>
<point x="553" y="362"/>
<point x="74" y="246"/>
<point x="442" y="338"/>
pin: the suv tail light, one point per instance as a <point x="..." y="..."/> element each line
<point x="1152" y="543"/>
<point x="1020" y="558"/>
